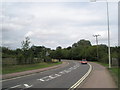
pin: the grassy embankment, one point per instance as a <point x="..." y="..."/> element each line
<point x="114" y="71"/>
<point x="20" y="68"/>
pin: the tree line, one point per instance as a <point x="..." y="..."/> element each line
<point x="83" y="49"/>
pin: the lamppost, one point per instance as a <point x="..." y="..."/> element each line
<point x="97" y="44"/>
<point x="109" y="56"/>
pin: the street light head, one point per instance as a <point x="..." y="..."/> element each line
<point x="92" y="0"/>
<point x="96" y="35"/>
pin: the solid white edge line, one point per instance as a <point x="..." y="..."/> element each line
<point x="82" y="79"/>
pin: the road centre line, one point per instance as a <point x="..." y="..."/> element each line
<point x="61" y="72"/>
<point x="26" y="86"/>
<point x="82" y="79"/>
<point x="41" y="80"/>
<point x="12" y="87"/>
<point x="57" y="74"/>
<point x="53" y="76"/>
<point x="15" y="86"/>
<point x="50" y="77"/>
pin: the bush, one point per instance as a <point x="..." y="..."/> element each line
<point x="47" y="59"/>
<point x="20" y="59"/>
<point x="104" y="59"/>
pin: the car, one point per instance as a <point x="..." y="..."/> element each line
<point x="83" y="61"/>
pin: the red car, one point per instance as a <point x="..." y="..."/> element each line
<point x="83" y="61"/>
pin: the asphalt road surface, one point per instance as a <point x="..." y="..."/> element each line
<point x="62" y="77"/>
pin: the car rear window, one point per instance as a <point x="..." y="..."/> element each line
<point x="83" y="60"/>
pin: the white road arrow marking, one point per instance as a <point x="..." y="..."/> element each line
<point x="27" y="86"/>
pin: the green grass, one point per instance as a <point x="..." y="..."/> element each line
<point x="20" y="68"/>
<point x="114" y="71"/>
<point x="104" y="64"/>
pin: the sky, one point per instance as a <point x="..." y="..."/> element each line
<point x="53" y="24"/>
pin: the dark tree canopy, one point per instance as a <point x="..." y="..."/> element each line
<point x="82" y="43"/>
<point x="79" y="50"/>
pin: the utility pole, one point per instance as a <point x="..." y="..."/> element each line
<point x="96" y="36"/>
<point x="107" y="10"/>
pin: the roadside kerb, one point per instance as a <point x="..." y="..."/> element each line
<point x="17" y="74"/>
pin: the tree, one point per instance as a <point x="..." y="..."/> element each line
<point x="69" y="48"/>
<point x="75" y="45"/>
<point x="84" y="42"/>
<point x="26" y="56"/>
<point x="25" y="44"/>
<point x="57" y="54"/>
<point x="91" y="54"/>
<point x="6" y="52"/>
<point x="59" y="47"/>
<point x="36" y="50"/>
<point x="118" y="51"/>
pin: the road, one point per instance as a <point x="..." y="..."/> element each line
<point x="62" y="77"/>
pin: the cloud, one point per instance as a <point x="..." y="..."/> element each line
<point x="28" y="34"/>
<point x="54" y="1"/>
<point x="53" y="24"/>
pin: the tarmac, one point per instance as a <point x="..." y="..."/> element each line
<point x="98" y="78"/>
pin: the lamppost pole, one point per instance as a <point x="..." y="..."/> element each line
<point x="109" y="56"/>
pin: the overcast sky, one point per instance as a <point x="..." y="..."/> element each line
<point x="53" y="24"/>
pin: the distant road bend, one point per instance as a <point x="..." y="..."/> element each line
<point x="62" y="77"/>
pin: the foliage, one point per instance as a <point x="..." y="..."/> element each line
<point x="6" y="52"/>
<point x="57" y="54"/>
<point x="81" y="49"/>
<point x="25" y="44"/>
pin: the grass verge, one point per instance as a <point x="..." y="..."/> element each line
<point x="114" y="71"/>
<point x="20" y="68"/>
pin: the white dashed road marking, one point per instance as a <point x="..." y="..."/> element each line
<point x="53" y="76"/>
